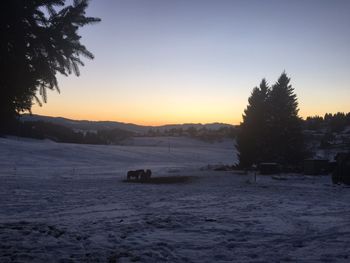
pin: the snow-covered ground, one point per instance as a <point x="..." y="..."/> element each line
<point x="67" y="203"/>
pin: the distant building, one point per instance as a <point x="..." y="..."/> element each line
<point x="316" y="167"/>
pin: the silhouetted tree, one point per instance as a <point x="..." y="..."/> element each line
<point x="314" y="123"/>
<point x="271" y="129"/>
<point x="35" y="45"/>
<point x="252" y="133"/>
<point x="285" y="138"/>
<point x="46" y="130"/>
<point x="347" y="118"/>
<point x="337" y="122"/>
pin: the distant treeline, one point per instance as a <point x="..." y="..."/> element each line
<point x="46" y="130"/>
<point x="331" y="122"/>
<point x="329" y="132"/>
<point x="202" y="133"/>
<point x="60" y="133"/>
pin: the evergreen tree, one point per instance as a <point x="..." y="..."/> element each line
<point x="250" y="139"/>
<point x="314" y="123"/>
<point x="338" y="122"/>
<point x="285" y="138"/>
<point x="35" y="45"/>
<point x="271" y="129"/>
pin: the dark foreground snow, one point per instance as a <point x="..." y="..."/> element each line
<point x="59" y="205"/>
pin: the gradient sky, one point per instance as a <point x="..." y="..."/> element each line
<point x="162" y="61"/>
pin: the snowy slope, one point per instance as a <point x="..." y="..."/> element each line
<point x="23" y="156"/>
<point x="67" y="203"/>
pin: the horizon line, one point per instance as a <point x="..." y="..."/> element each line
<point x="132" y="123"/>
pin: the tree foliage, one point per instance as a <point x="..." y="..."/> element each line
<point x="271" y="129"/>
<point x="61" y="133"/>
<point x="331" y="122"/>
<point x="38" y="39"/>
<point x="285" y="138"/>
<point x="338" y="121"/>
<point x="253" y="129"/>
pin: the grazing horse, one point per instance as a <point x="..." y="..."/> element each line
<point x="146" y="175"/>
<point x="135" y="174"/>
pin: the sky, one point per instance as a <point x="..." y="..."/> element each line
<point x="197" y="61"/>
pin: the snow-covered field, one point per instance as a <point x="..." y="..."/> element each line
<point x="67" y="203"/>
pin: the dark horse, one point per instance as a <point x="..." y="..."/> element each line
<point x="146" y="175"/>
<point x="139" y="174"/>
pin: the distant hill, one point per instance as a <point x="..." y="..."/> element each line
<point x="85" y="125"/>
